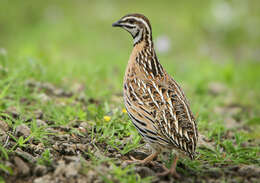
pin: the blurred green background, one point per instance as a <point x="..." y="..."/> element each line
<point x="212" y="48"/>
<point x="67" y="41"/>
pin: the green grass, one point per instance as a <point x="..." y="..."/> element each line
<point x="73" y="43"/>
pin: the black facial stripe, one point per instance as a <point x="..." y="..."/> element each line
<point x="128" y="26"/>
<point x="136" y="34"/>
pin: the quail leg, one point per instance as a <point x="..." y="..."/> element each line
<point x="172" y="170"/>
<point x="144" y="161"/>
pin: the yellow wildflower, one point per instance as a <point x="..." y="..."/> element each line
<point x="124" y="111"/>
<point x="107" y="118"/>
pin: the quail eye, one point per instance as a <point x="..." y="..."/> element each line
<point x="131" y="21"/>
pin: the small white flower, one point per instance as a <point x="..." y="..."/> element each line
<point x="163" y="44"/>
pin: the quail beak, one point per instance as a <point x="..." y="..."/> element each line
<point x="117" y="24"/>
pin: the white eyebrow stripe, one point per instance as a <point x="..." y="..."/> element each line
<point x="127" y="24"/>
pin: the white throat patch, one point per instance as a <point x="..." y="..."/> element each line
<point x="138" y="37"/>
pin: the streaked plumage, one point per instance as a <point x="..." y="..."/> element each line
<point x="154" y="101"/>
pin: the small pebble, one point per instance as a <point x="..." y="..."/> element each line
<point x="21" y="166"/>
<point x="40" y="123"/>
<point x="40" y="170"/>
<point x="4" y="126"/>
<point x="22" y="130"/>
